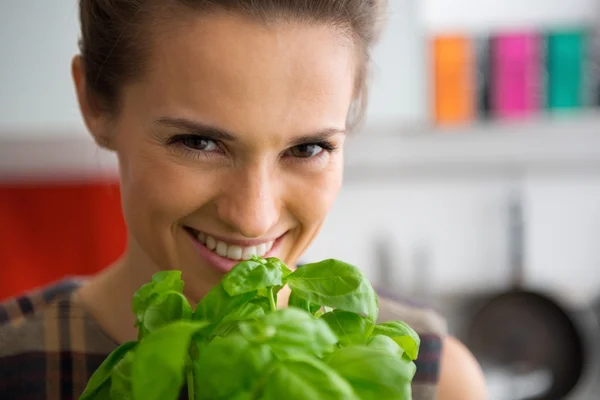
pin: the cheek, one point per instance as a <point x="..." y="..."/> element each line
<point x="158" y="192"/>
<point x="313" y="199"/>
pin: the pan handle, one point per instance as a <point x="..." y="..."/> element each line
<point x="516" y="240"/>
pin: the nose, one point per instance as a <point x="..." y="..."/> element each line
<point x="249" y="202"/>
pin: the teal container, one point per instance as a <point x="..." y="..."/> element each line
<point x="565" y="65"/>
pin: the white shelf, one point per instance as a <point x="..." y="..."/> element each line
<point x="560" y="142"/>
<point x="56" y="156"/>
<point x="565" y="141"/>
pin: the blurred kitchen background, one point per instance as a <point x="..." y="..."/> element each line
<point x="475" y="176"/>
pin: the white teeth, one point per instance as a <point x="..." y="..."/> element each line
<point x="249" y="252"/>
<point x="261" y="249"/>
<point x="211" y="243"/>
<point x="234" y="252"/>
<point x="222" y="249"/>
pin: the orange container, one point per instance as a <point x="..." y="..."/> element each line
<point x="454" y="79"/>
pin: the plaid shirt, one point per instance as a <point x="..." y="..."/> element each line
<point x="50" y="346"/>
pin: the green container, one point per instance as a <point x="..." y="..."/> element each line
<point x="565" y="63"/>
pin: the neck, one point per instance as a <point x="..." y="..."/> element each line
<point x="107" y="298"/>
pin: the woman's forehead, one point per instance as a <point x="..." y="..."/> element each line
<point x="230" y="68"/>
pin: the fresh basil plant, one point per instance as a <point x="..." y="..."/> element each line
<point x="238" y="345"/>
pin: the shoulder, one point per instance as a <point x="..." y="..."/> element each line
<point x="48" y="342"/>
<point x="18" y="311"/>
<point x="25" y="319"/>
<point x="24" y="344"/>
<point x="461" y="377"/>
<point x="446" y="369"/>
<point x="431" y="328"/>
<point x="48" y="319"/>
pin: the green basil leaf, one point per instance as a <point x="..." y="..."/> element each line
<point x="172" y="306"/>
<point x="217" y="304"/>
<point x="257" y="332"/>
<point x="242" y="396"/>
<point x="374" y="372"/>
<point x="319" y="313"/>
<point x="265" y="294"/>
<point x="141" y="299"/>
<point x="102" y="375"/>
<point x="229" y="366"/>
<point x="229" y="323"/>
<point x="298" y="302"/>
<point x="276" y="262"/>
<point x="252" y="275"/>
<point x="103" y="392"/>
<point x="262" y="302"/>
<point x="350" y="328"/>
<point x="335" y="284"/>
<point x="160" y="360"/>
<point x="305" y="378"/>
<point x="291" y="331"/>
<point x="385" y="343"/>
<point x="163" y="282"/>
<point x="402" y="334"/>
<point x="121" y="381"/>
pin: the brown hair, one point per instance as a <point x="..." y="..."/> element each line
<point x="114" y="35"/>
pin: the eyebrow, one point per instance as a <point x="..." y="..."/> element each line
<point x="320" y="136"/>
<point x="200" y="129"/>
<point x="197" y="128"/>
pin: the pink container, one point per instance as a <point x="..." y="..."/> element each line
<point x="516" y="74"/>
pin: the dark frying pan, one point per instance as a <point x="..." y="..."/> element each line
<point x="525" y="331"/>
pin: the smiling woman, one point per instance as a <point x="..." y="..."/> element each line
<point x="228" y="143"/>
<point x="228" y="119"/>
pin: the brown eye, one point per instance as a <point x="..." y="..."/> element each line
<point x="306" y="150"/>
<point x="198" y="143"/>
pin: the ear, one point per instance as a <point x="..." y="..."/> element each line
<point x="96" y="120"/>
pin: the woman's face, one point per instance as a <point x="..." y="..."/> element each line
<point x="231" y="144"/>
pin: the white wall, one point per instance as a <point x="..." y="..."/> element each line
<point x="38" y="39"/>
<point x="565" y="233"/>
<point x="399" y="92"/>
<point x="486" y="15"/>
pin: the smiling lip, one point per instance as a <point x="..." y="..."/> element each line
<point x="223" y="264"/>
